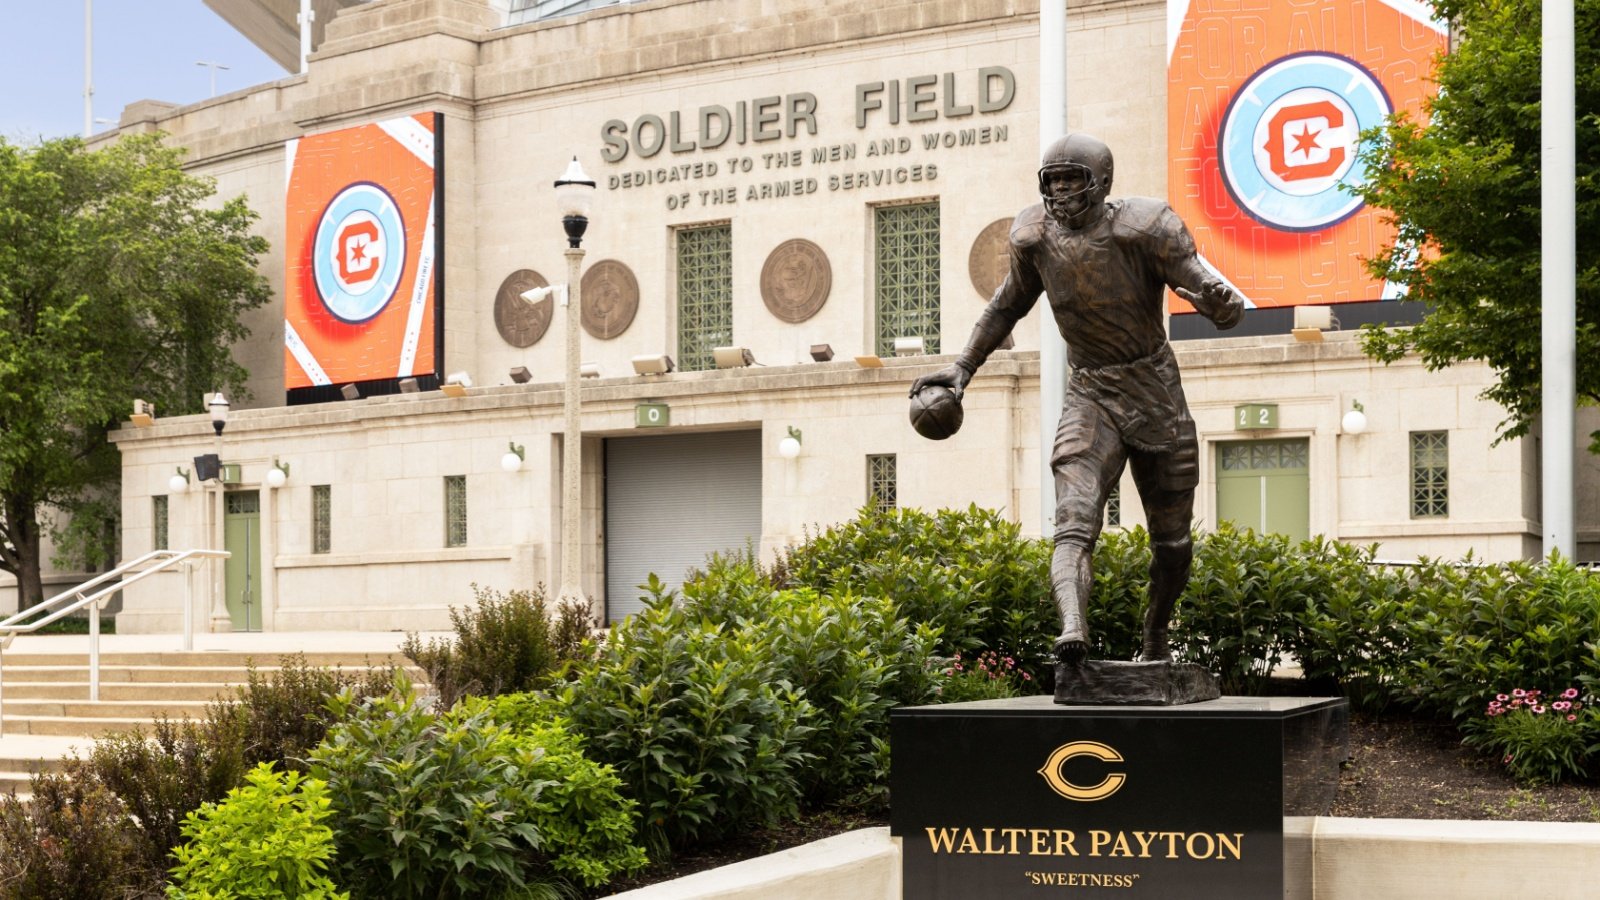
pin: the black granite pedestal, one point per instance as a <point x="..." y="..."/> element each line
<point x="1028" y="798"/>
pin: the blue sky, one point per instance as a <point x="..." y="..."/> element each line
<point x="143" y="49"/>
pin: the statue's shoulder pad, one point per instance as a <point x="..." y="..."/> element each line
<point x="1145" y="215"/>
<point x="1028" y="227"/>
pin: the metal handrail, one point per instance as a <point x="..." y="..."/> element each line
<point x="70" y="601"/>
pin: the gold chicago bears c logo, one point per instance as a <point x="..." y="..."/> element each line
<point x="1107" y="787"/>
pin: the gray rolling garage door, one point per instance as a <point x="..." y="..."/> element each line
<point x="671" y="500"/>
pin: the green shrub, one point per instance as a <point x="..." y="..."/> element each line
<point x="163" y="776"/>
<point x="1472" y="629"/>
<point x="966" y="573"/>
<point x="1116" y="608"/>
<point x="1349" y="636"/>
<point x="695" y="718"/>
<point x="74" y="839"/>
<point x="854" y="659"/>
<point x="428" y="806"/>
<point x="587" y="825"/>
<point x="504" y="644"/>
<point x="267" y="840"/>
<point x="282" y="716"/>
<point x="1539" y="739"/>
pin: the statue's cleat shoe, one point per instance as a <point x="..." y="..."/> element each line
<point x="1072" y="649"/>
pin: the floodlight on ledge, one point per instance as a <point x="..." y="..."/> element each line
<point x="521" y="375"/>
<point x="821" y="352"/>
<point x="732" y="357"/>
<point x="869" y="361"/>
<point x="350" y="392"/>
<point x="1311" y="321"/>
<point x="456" y="384"/>
<point x="409" y="386"/>
<point x="908" y="346"/>
<point x="144" y="414"/>
<point x="589" y="370"/>
<point x="652" y="364"/>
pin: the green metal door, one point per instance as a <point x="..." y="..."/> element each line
<point x="242" y="538"/>
<point x="1266" y="486"/>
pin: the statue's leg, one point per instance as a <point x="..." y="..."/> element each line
<point x="1169" y="512"/>
<point x="1087" y="461"/>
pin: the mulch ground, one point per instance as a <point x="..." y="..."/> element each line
<point x="1408" y="769"/>
<point x="1399" y="768"/>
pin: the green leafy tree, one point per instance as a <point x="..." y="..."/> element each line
<point x="120" y="277"/>
<point x="1463" y="189"/>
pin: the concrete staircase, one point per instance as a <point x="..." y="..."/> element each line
<point x="47" y="710"/>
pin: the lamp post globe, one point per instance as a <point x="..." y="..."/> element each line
<point x="219" y="412"/>
<point x="574" y="199"/>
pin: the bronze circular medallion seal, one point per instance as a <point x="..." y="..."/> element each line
<point x="610" y="299"/>
<point x="520" y="323"/>
<point x="795" y="280"/>
<point x="990" y="258"/>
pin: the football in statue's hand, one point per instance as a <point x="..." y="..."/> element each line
<point x="936" y="412"/>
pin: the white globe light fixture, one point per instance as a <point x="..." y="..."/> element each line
<point x="1354" y="421"/>
<point x="789" y="447"/>
<point x="178" y="483"/>
<point x="512" y="461"/>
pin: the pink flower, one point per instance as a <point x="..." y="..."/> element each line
<point x="1494" y="704"/>
<point x="1561" y="705"/>
<point x="1516" y="703"/>
<point x="1569" y="694"/>
<point x="1519" y="692"/>
<point x="1501" y="697"/>
<point x="1537" y="710"/>
<point x="1507" y="760"/>
<point x="1572" y="718"/>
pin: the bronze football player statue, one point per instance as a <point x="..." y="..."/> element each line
<point x="1105" y="265"/>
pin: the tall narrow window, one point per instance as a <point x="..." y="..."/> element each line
<point x="1114" y="507"/>
<point x="1430" y="474"/>
<point x="883" y="481"/>
<point x="705" y="294"/>
<point x="321" y="518"/>
<point x="158" y="524"/>
<point x="455" y="510"/>
<point x="907" y="279"/>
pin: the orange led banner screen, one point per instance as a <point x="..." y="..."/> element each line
<point x="1265" y="102"/>
<point x="363" y="255"/>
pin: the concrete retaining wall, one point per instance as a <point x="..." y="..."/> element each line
<point x="1353" y="859"/>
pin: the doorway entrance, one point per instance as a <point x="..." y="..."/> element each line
<point x="242" y="538"/>
<point x="1266" y="486"/>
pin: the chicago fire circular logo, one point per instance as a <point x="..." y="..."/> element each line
<point x="359" y="252"/>
<point x="1289" y="138"/>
